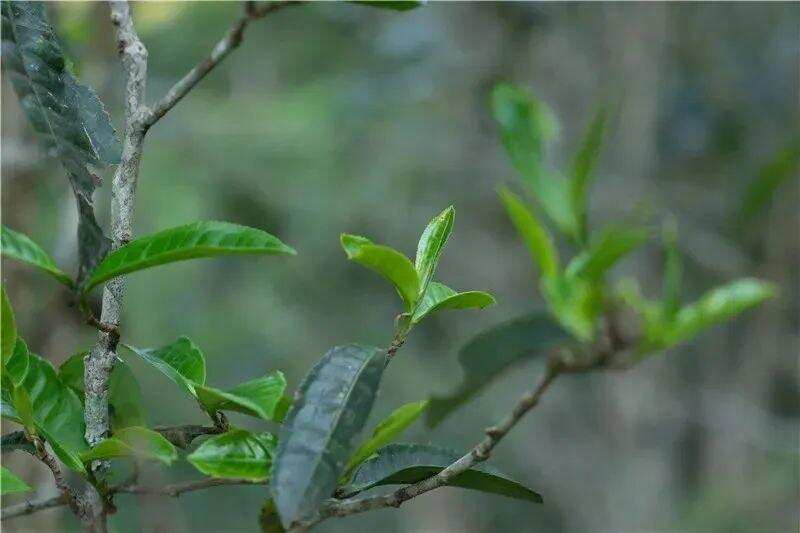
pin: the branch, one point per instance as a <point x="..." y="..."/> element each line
<point x="179" y="488"/>
<point x="30" y="507"/>
<point x="220" y="51"/>
<point x="182" y="436"/>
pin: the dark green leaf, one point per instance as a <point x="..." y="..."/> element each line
<point x="613" y="244"/>
<point x="439" y="297"/>
<point x="199" y="239"/>
<point x="8" y="333"/>
<point x="395" y="5"/>
<point x="10" y="483"/>
<point x="134" y="441"/>
<point x="388" y="430"/>
<point x="181" y="361"/>
<point x="386" y="261"/>
<point x="535" y="235"/>
<point x="236" y="454"/>
<point x="261" y="397"/>
<point x="124" y="394"/>
<point x="430" y="247"/>
<point x="400" y="464"/>
<point x="70" y="119"/>
<point x="582" y="169"/>
<point x="316" y="440"/>
<point x="487" y="355"/>
<point x="20" y="247"/>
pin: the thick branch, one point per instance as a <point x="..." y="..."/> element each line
<point x="225" y="46"/>
<point x="30" y="507"/>
<point x="179" y="488"/>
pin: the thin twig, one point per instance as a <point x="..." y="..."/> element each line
<point x="179" y="488"/>
<point x="225" y="46"/>
<point x="182" y="436"/>
<point x="30" y="507"/>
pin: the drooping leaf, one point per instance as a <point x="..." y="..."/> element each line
<point x="8" y="334"/>
<point x="199" y="239"/>
<point x="525" y="126"/>
<point x="430" y="246"/>
<point x="394" y="5"/>
<point x="261" y="397"/>
<point x="582" y="169"/>
<point x="133" y="441"/>
<point x="490" y="353"/>
<point x="236" y="454"/>
<point x="10" y="483"/>
<point x="18" y="246"/>
<point x="316" y="440"/>
<point x="181" y="361"/>
<point x="400" y="464"/>
<point x="535" y="235"/>
<point x="388" y="430"/>
<point x="268" y="518"/>
<point x="386" y="261"/>
<point x="124" y="393"/>
<point x="613" y="244"/>
<point x="439" y="297"/>
<point x="69" y="118"/>
<point x="716" y="306"/>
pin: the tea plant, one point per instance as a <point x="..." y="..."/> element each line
<point x="86" y="413"/>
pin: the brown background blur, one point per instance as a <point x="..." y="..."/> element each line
<point x="334" y="118"/>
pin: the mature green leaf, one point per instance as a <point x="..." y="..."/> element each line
<point x="17" y="366"/>
<point x="388" y="430"/>
<point x="199" y="239"/>
<point x="526" y="124"/>
<point x="490" y="353"/>
<point x="533" y="232"/>
<point x="582" y="169"/>
<point x="386" y="261"/>
<point x="673" y="273"/>
<point x="261" y="397"/>
<point x="784" y="166"/>
<point x="236" y="454"/>
<point x="614" y="244"/>
<point x="395" y="5"/>
<point x="439" y="297"/>
<point x="124" y="393"/>
<point x="133" y="441"/>
<point x="330" y="408"/>
<point x="400" y="464"/>
<point x="18" y="246"/>
<point x="24" y="408"/>
<point x="181" y="361"/>
<point x="716" y="306"/>
<point x="10" y="483"/>
<point x="8" y="331"/>
<point x="70" y="118"/>
<point x="430" y="246"/>
<point x="268" y="518"/>
<point x="69" y="456"/>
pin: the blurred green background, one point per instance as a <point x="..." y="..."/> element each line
<point x="339" y="118"/>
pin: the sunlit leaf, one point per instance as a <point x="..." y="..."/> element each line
<point x="575" y="302"/>
<point x="388" y="430"/>
<point x="134" y="441"/>
<point x="386" y="261"/>
<point x="439" y="297"/>
<point x="10" y="483"/>
<point x="259" y="397"/>
<point x="69" y="118"/>
<point x="316" y="440"/>
<point x="181" y="361"/>
<point x="535" y="235"/>
<point x="583" y="166"/>
<point x="603" y="253"/>
<point x="430" y="246"/>
<point x="490" y="353"/>
<point x="18" y="246"/>
<point x="8" y="333"/>
<point x="199" y="239"/>
<point x="17" y="365"/>
<point x="236" y="454"/>
<point x="400" y="464"/>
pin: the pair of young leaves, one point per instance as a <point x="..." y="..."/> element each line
<point x="414" y="283"/>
